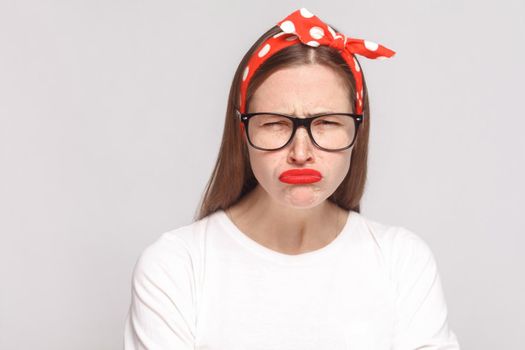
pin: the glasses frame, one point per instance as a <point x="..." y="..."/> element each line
<point x="297" y="122"/>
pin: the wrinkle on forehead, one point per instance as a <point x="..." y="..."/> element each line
<point x="303" y="91"/>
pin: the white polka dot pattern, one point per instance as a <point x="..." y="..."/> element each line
<point x="316" y="32"/>
<point x="371" y="45"/>
<point x="264" y="50"/>
<point x="313" y="43"/>
<point x="356" y="65"/>
<point x="304" y="27"/>
<point x="305" y="13"/>
<point x="288" y="27"/>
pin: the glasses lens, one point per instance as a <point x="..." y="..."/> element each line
<point x="333" y="131"/>
<point x="270" y="131"/>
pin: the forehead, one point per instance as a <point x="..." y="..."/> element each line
<point x="302" y="89"/>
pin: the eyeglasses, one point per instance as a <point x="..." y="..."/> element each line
<point x="272" y="131"/>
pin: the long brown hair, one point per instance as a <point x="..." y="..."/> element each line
<point x="232" y="175"/>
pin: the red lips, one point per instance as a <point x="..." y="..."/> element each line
<point x="300" y="176"/>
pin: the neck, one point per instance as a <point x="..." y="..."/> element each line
<point x="284" y="228"/>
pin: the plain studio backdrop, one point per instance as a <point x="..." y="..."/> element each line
<point x="111" y="117"/>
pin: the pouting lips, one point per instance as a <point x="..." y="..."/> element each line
<point x="300" y="176"/>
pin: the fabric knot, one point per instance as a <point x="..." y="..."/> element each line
<point x="338" y="43"/>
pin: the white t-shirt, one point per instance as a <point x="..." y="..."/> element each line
<point x="207" y="285"/>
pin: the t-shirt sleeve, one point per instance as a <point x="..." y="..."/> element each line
<point x="161" y="314"/>
<point x="421" y="321"/>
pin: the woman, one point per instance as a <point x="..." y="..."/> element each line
<point x="280" y="256"/>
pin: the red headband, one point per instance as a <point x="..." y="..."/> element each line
<point x="310" y="30"/>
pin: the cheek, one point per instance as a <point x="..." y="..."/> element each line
<point x="340" y="167"/>
<point x="263" y="165"/>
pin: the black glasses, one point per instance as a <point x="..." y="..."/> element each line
<point x="272" y="131"/>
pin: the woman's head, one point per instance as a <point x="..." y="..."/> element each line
<point x="297" y="80"/>
<point x="301" y="90"/>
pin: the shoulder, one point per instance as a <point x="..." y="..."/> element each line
<point x="392" y="236"/>
<point x="399" y="245"/>
<point x="177" y="251"/>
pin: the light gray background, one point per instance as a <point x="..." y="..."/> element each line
<point x="112" y="114"/>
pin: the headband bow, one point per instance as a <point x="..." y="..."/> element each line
<point x="301" y="26"/>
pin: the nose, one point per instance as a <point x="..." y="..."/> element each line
<point x="301" y="145"/>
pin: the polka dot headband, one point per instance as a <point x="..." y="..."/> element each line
<point x="302" y="26"/>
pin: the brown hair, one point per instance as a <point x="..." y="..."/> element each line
<point x="232" y="175"/>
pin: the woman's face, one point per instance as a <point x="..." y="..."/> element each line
<point x="298" y="91"/>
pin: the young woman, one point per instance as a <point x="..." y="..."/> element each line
<point x="279" y="256"/>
